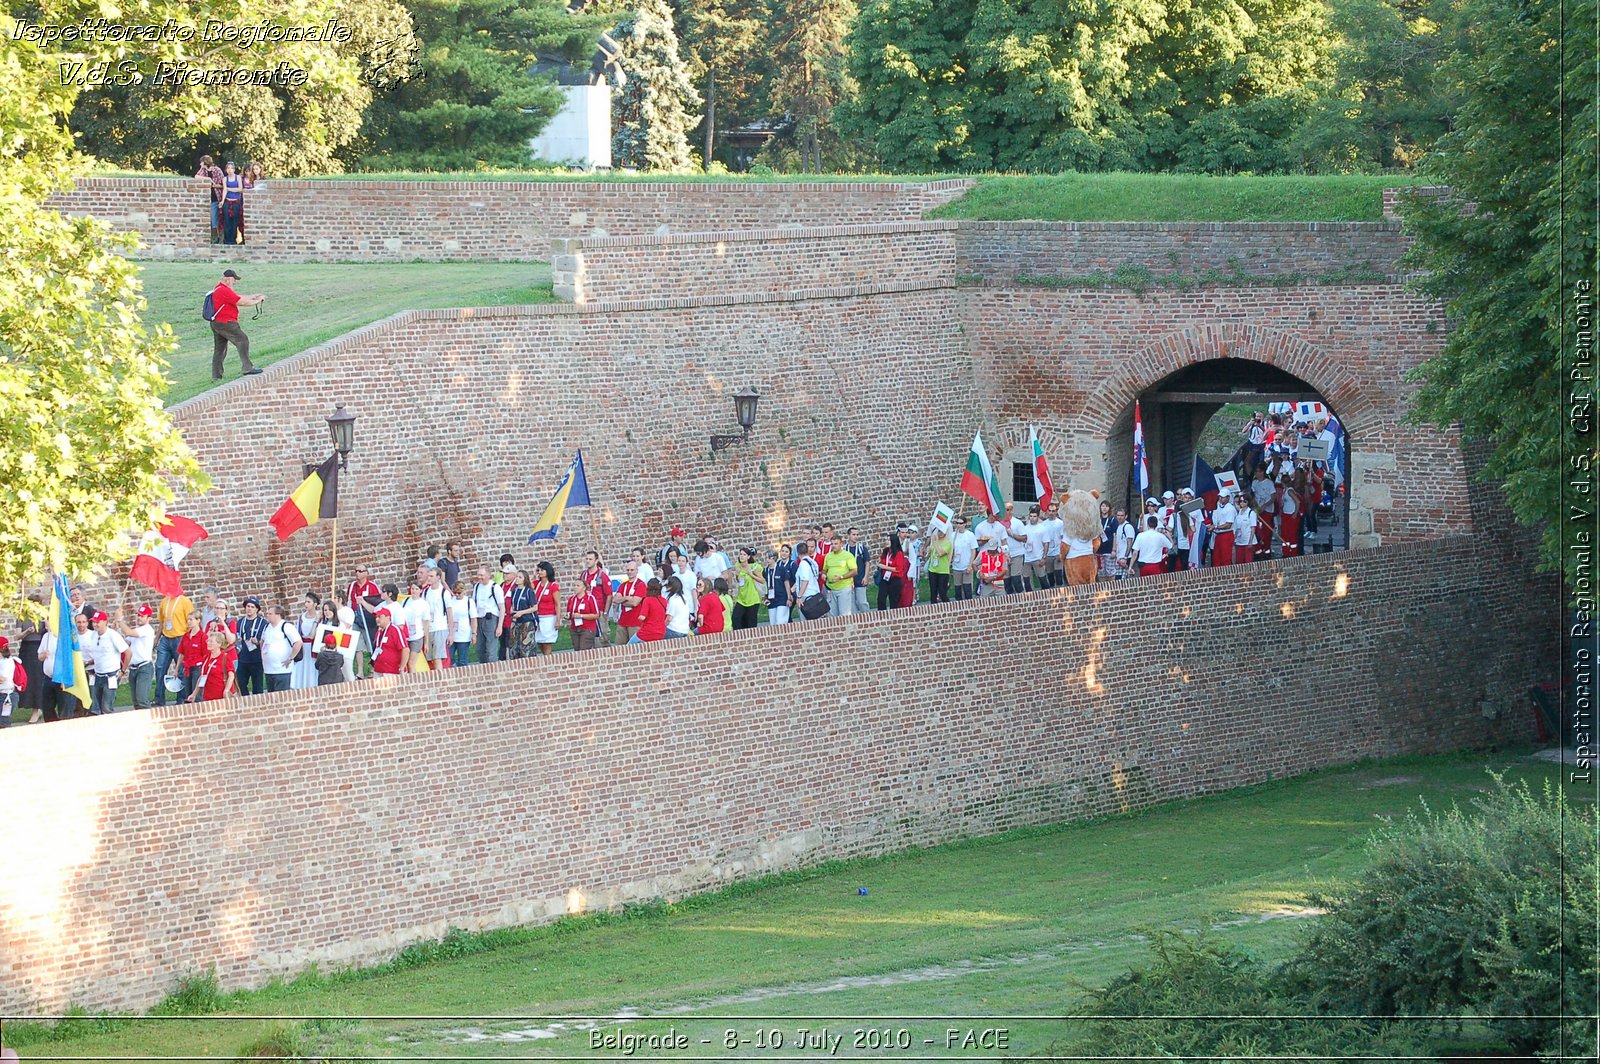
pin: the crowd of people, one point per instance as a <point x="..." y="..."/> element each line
<point x="228" y="185"/>
<point x="444" y="616"/>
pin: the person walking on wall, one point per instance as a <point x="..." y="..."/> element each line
<point x="225" y="303"/>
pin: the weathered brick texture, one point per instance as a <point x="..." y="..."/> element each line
<point x="1276" y="252"/>
<point x="758" y="263"/>
<point x="336" y="826"/>
<point x="399" y="221"/>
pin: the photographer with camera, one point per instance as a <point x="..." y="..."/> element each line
<point x="221" y="309"/>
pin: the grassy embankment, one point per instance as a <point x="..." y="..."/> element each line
<point x="1011" y="926"/>
<point x="309" y="304"/>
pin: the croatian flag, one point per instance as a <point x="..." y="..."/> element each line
<point x="1141" y="466"/>
<point x="1203" y="482"/>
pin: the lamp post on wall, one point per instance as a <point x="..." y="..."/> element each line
<point x="744" y="411"/>
<point x="342" y="434"/>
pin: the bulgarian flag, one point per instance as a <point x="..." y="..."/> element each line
<point x="316" y="497"/>
<point x="1042" y="488"/>
<point x="979" y="480"/>
<point x="160" y="551"/>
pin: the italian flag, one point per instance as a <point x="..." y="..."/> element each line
<point x="1042" y="488"/>
<point x="979" y="480"/>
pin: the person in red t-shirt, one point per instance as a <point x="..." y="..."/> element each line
<point x="652" y="616"/>
<point x="225" y="326"/>
<point x="583" y="616"/>
<point x="597" y="580"/>
<point x="711" y="614"/>
<point x="192" y="651"/>
<point x="216" y="672"/>
<point x="363" y="596"/>
<point x="390" y="652"/>
<point x="546" y="597"/>
<point x="508" y="580"/>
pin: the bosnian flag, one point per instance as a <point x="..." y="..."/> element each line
<point x="1141" y="464"/>
<point x="1203" y="482"/>
<point x="160" y="551"/>
<point x="978" y="479"/>
<point x="1042" y="488"/>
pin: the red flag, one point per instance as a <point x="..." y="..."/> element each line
<point x="156" y="567"/>
<point x="181" y="530"/>
<point x="152" y="573"/>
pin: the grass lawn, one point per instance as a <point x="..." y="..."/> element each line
<point x="308" y="304"/>
<point x="1007" y="928"/>
<point x="1174" y="198"/>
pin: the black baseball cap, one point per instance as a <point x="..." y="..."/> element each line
<point x="230" y="273"/>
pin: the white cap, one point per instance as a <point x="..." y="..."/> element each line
<point x="1168" y="495"/>
<point x="1152" y="502"/>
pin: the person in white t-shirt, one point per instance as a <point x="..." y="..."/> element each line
<point x="417" y="617"/>
<point x="807" y="580"/>
<point x="436" y="595"/>
<point x="708" y="563"/>
<point x="1222" y="531"/>
<point x="646" y="572"/>
<point x="456" y="604"/>
<point x="106" y="652"/>
<point x="1150" y="548"/>
<point x="964" y="552"/>
<point x="1122" y="546"/>
<point x="280" y="645"/>
<point x="1244" y="533"/>
<point x="680" y="609"/>
<point x="1030" y="538"/>
<point x="141" y="638"/>
<point x="1055" y="538"/>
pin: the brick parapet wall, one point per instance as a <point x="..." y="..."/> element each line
<point x="400" y="221"/>
<point x="335" y="826"/>
<point x="999" y="253"/>
<point x="773" y="263"/>
<point x="1394" y="198"/>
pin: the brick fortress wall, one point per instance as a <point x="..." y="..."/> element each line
<point x="336" y="826"/>
<point x="758" y="263"/>
<point x="400" y="221"/>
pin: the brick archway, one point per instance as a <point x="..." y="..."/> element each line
<point x="1357" y="405"/>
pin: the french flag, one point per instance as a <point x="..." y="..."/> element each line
<point x="160" y="551"/>
<point x="1141" y="464"/>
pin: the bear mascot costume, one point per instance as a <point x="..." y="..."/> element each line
<point x="1080" y="519"/>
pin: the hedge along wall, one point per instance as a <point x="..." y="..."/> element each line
<point x="761" y="263"/>
<point x="335" y="826"/>
<point x="398" y="221"/>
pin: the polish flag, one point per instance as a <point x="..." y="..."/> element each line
<point x="160" y="551"/>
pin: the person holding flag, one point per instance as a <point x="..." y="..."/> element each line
<point x="65" y="660"/>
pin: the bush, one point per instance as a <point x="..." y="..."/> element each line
<point x="1246" y="1012"/>
<point x="1464" y="913"/>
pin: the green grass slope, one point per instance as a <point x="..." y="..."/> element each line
<point x="1003" y="927"/>
<point x="309" y="304"/>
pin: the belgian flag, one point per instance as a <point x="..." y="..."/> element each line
<point x="316" y="497"/>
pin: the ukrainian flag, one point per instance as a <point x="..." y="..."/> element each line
<point x="572" y="491"/>
<point x="69" y="673"/>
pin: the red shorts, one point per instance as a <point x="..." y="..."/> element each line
<point x="1152" y="568"/>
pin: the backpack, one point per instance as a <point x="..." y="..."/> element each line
<point x="208" y="306"/>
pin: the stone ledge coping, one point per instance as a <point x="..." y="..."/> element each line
<point x="566" y="667"/>
<point x="754" y="187"/>
<point x="377" y="330"/>
<point x="751" y="236"/>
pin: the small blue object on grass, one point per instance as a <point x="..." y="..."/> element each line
<point x="861" y="891"/>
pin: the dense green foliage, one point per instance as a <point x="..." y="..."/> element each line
<point x="290" y="130"/>
<point x="654" y="110"/>
<point x="1491" y="912"/>
<point x="1507" y="269"/>
<point x="470" y="101"/>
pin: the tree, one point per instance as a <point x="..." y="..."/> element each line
<point x="472" y="101"/>
<point x="290" y="130"/>
<point x="1509" y="252"/>
<point x="810" y="74"/>
<point x="657" y="105"/>
<point x="90" y="452"/>
<point x="722" y="44"/>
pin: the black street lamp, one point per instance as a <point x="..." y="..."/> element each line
<point x="744" y="411"/>
<point x="342" y="431"/>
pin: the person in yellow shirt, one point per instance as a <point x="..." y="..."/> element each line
<point x="173" y="616"/>
<point x="750" y="590"/>
<point x="839" y="574"/>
